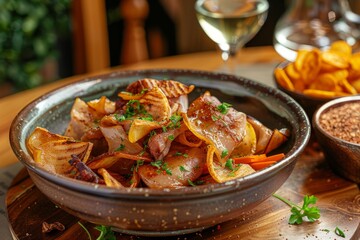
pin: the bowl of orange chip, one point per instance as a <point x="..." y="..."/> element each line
<point x="317" y="76"/>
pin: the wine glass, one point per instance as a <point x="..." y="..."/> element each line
<point x="231" y="24"/>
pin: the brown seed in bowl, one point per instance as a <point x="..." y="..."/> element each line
<point x="343" y="122"/>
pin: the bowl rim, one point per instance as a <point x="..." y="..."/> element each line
<point x="327" y="106"/>
<point x="184" y="193"/>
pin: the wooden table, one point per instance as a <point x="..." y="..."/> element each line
<point x="339" y="200"/>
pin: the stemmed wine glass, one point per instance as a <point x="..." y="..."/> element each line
<point x="231" y="24"/>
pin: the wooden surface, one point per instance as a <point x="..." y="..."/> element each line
<point x="338" y="201"/>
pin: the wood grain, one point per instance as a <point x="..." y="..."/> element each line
<point x="338" y="201"/>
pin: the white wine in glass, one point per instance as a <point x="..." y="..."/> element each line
<point x="231" y="24"/>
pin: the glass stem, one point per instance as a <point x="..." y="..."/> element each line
<point x="229" y="57"/>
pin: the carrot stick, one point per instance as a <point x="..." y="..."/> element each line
<point x="249" y="159"/>
<point x="275" y="158"/>
<point x="260" y="165"/>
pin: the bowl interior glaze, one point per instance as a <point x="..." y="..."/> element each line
<point x="269" y="105"/>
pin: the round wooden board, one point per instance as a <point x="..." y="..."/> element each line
<point x="338" y="201"/>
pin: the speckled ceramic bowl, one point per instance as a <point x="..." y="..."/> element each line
<point x="343" y="156"/>
<point x="150" y="212"/>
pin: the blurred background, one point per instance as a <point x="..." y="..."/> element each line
<point x="45" y="40"/>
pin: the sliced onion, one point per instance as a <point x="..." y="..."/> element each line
<point x="110" y="181"/>
<point x="107" y="160"/>
<point x="102" y="105"/>
<point x="140" y="128"/>
<point x="55" y="155"/>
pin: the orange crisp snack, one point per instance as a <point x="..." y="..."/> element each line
<point x="323" y="74"/>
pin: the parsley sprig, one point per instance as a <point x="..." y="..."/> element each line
<point x="223" y="107"/>
<point x="161" y="165"/>
<point x="298" y="213"/>
<point x="106" y="233"/>
<point x="134" y="109"/>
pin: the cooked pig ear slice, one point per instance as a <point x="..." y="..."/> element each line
<point x="117" y="140"/>
<point x="228" y="172"/>
<point x="102" y="105"/>
<point x="180" y="167"/>
<point x="174" y="89"/>
<point x="55" y="155"/>
<point x="216" y="124"/>
<point x="156" y="104"/>
<point x="247" y="145"/>
<point x="171" y="88"/>
<point x="140" y="128"/>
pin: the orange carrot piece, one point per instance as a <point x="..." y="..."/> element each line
<point x="260" y="165"/>
<point x="249" y="159"/>
<point x="275" y="158"/>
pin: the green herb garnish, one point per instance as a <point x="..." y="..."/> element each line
<point x="191" y="183"/>
<point x="137" y="165"/>
<point x="171" y="137"/>
<point x="229" y="164"/>
<point x="175" y="121"/>
<point x="120" y="148"/>
<point x="224" y="153"/>
<point x="339" y="232"/>
<point x="224" y="107"/>
<point x="105" y="233"/>
<point x="85" y="229"/>
<point x="215" y="118"/>
<point x="183" y="169"/>
<point x="160" y="165"/>
<point x="298" y="213"/>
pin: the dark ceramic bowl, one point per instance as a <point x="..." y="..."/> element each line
<point x="343" y="156"/>
<point x="308" y="103"/>
<point x="150" y="212"/>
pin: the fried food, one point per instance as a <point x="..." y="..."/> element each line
<point x="322" y="73"/>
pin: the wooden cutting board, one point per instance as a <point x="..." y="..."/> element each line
<point x="338" y="201"/>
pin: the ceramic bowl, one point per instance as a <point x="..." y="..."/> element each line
<point x="308" y="103"/>
<point x="343" y="154"/>
<point x="150" y="212"/>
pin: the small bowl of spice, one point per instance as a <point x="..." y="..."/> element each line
<point x="337" y="129"/>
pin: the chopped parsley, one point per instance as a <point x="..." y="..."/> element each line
<point x="137" y="165"/>
<point x="183" y="169"/>
<point x="229" y="164"/>
<point x="224" y="153"/>
<point x="215" y="118"/>
<point x="120" y="148"/>
<point x="191" y="183"/>
<point x="160" y="165"/>
<point x="181" y="154"/>
<point x="134" y="108"/>
<point x="171" y="137"/>
<point x="175" y="121"/>
<point x="224" y="107"/>
<point x="119" y="118"/>
<point x="339" y="232"/>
